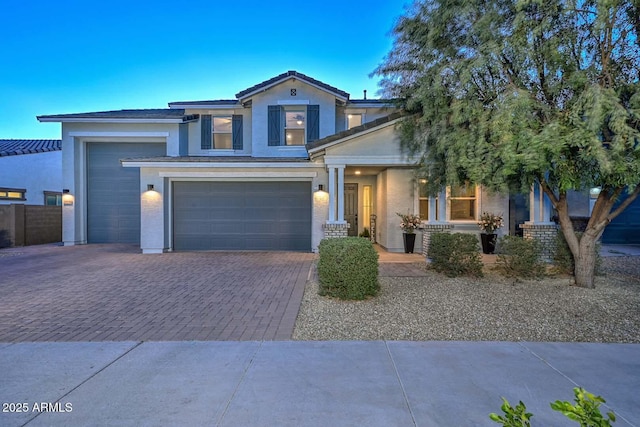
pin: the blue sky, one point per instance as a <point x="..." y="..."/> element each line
<point x="69" y="56"/>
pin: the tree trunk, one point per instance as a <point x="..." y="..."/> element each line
<point x="585" y="262"/>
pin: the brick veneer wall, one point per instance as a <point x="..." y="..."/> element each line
<point x="545" y="234"/>
<point x="336" y="230"/>
<point x="429" y="229"/>
<point x="22" y="225"/>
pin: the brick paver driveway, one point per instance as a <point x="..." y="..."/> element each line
<point x="114" y="293"/>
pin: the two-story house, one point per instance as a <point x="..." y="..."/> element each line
<point x="284" y="164"/>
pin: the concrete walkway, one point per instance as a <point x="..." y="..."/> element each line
<point x="288" y="383"/>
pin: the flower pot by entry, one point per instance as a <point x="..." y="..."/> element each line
<point x="409" y="242"/>
<point x="488" y="242"/>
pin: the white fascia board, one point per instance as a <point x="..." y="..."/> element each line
<point x="353" y="136"/>
<point x="206" y="107"/>
<point x="228" y="165"/>
<point x="88" y="120"/>
<point x="265" y="88"/>
<point x="240" y="175"/>
<point x="393" y="160"/>
<point x="85" y="134"/>
<point x="369" y="105"/>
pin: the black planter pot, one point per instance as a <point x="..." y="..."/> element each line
<point x="409" y="242"/>
<point x="488" y="242"/>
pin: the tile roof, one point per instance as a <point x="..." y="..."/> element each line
<point x="13" y="147"/>
<point x="149" y="114"/>
<point x="355" y="130"/>
<point x="287" y="75"/>
<point x="220" y="159"/>
<point x="212" y="102"/>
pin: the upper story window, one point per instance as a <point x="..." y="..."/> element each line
<point x="463" y="202"/>
<point x="13" y="193"/>
<point x="354" y="120"/>
<point x="222" y="132"/>
<point x="294" y="127"/>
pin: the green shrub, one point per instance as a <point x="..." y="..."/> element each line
<point x="455" y="254"/>
<point x="586" y="411"/>
<point x="365" y="233"/>
<point x="348" y="268"/>
<point x="520" y="257"/>
<point x="563" y="258"/>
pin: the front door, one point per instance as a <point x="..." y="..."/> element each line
<point x="351" y="207"/>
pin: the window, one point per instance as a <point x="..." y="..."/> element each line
<point x="52" y="198"/>
<point x="13" y="193"/>
<point x="463" y="203"/>
<point x="354" y="120"/>
<point x="294" y="127"/>
<point x="222" y="132"/>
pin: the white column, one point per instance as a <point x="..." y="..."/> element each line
<point x="332" y="194"/>
<point x="442" y="206"/>
<point x="540" y="206"/>
<point x="433" y="206"/>
<point x="340" y="193"/>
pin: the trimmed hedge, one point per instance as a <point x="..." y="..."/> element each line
<point x="519" y="257"/>
<point x="348" y="268"/>
<point x="455" y="254"/>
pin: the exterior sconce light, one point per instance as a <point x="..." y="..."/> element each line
<point x="65" y="191"/>
<point x="320" y="187"/>
<point x="150" y="187"/>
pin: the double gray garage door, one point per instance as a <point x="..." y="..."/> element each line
<point x="242" y="216"/>
<point x="206" y="215"/>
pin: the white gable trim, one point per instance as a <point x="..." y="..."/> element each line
<point x="285" y="79"/>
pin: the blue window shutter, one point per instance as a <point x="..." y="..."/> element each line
<point x="274" y="119"/>
<point x="206" y="132"/>
<point x="236" y="125"/>
<point x="313" y="122"/>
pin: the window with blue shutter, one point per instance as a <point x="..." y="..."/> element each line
<point x="313" y="123"/>
<point x="205" y="132"/>
<point x="237" y="132"/>
<point x="274" y="124"/>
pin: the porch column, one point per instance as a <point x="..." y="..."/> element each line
<point x="540" y="226"/>
<point x="540" y="210"/>
<point x="340" y="193"/>
<point x="442" y="206"/>
<point x="433" y="206"/>
<point x="332" y="194"/>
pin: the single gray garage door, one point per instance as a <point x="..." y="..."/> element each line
<point x="625" y="229"/>
<point x="113" y="192"/>
<point x="242" y="216"/>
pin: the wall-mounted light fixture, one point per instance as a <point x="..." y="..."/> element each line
<point x="150" y="187"/>
<point x="320" y="187"/>
<point x="65" y="191"/>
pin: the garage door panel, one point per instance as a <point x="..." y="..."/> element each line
<point x="242" y="216"/>
<point x="113" y="192"/>
<point x="624" y="229"/>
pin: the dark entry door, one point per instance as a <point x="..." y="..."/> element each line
<point x="351" y="207"/>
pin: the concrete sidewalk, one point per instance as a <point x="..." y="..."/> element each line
<point x="288" y="383"/>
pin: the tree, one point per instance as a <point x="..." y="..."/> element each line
<point x="509" y="93"/>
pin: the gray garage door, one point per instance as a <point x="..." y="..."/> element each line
<point x="113" y="192"/>
<point x="624" y="229"/>
<point x="242" y="216"/>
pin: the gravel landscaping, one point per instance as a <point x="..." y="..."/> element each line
<point x="493" y="308"/>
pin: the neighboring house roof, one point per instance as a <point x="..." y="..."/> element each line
<point x="286" y="76"/>
<point x="320" y="143"/>
<point x="210" y="103"/>
<point x="148" y="115"/>
<point x="218" y="159"/>
<point x="13" y="147"/>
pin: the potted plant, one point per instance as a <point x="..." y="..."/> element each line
<point x="489" y="223"/>
<point x="409" y="223"/>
